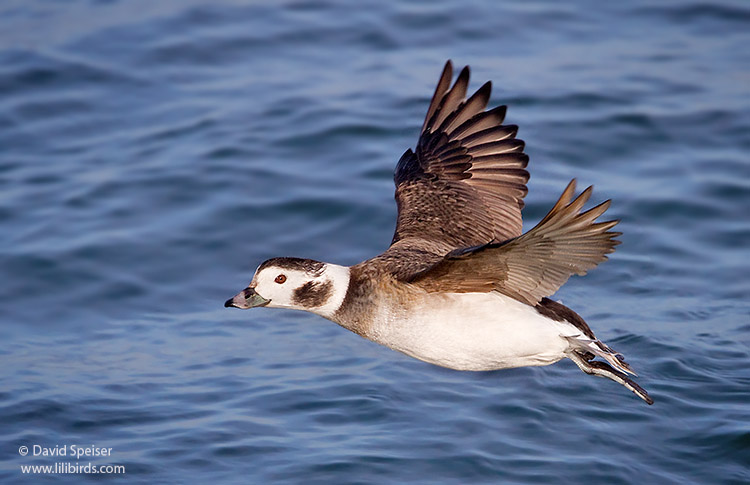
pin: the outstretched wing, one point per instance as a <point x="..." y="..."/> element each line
<point x="534" y="265"/>
<point x="465" y="183"/>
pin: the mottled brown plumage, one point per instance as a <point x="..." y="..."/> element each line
<point x="534" y="265"/>
<point x="460" y="285"/>
<point x="459" y="198"/>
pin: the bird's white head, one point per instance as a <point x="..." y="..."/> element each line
<point x="299" y="284"/>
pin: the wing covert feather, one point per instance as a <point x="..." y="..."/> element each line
<point x="528" y="268"/>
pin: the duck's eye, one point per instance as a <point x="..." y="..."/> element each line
<point x="280" y="279"/>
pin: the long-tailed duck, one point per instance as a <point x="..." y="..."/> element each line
<point x="461" y="286"/>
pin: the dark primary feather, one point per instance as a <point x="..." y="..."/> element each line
<point x="534" y="265"/>
<point x="464" y="184"/>
<point x="459" y="198"/>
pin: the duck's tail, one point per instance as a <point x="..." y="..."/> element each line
<point x="583" y="351"/>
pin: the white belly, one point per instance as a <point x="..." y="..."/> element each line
<point x="474" y="331"/>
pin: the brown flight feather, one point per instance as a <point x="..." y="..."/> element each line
<point x="565" y="242"/>
<point x="463" y="185"/>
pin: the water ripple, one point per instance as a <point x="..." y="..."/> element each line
<point x="153" y="153"/>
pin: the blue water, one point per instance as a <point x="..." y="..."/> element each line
<point x="152" y="154"/>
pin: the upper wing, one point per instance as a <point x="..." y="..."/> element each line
<point x="465" y="183"/>
<point x="534" y="265"/>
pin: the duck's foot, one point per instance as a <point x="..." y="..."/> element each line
<point x="603" y="369"/>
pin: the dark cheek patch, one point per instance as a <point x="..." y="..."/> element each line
<point x="312" y="294"/>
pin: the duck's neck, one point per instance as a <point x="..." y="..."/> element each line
<point x="359" y="304"/>
<point x="339" y="278"/>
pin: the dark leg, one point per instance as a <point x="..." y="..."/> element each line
<point x="602" y="369"/>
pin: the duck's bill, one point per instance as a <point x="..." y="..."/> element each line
<point x="246" y="298"/>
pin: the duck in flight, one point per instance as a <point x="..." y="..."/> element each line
<point x="460" y="285"/>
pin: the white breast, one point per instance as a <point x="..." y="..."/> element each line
<point x="473" y="331"/>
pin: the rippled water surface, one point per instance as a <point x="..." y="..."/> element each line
<point x="152" y="154"/>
